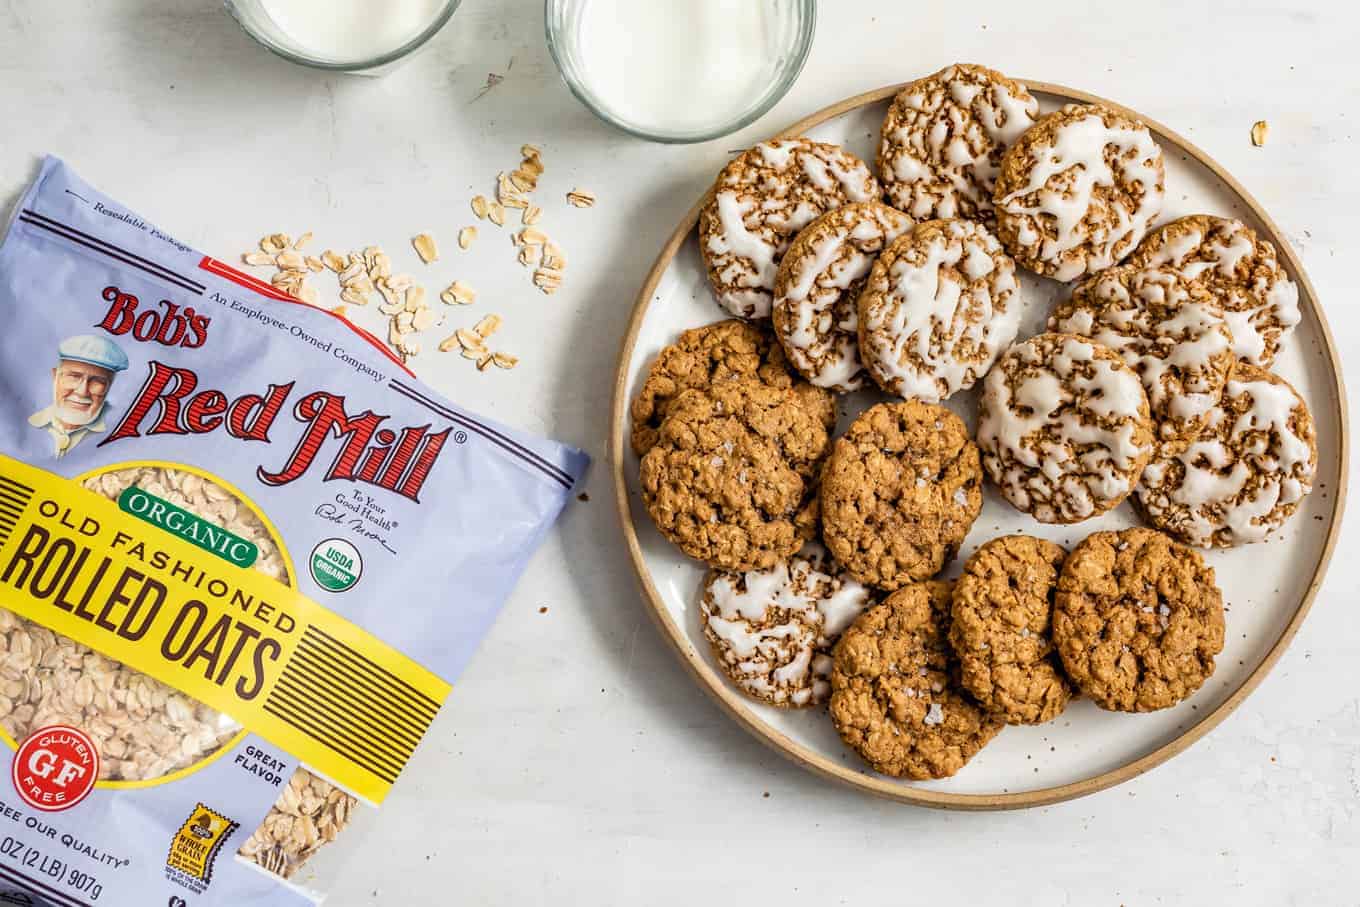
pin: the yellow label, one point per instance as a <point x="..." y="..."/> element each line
<point x="196" y="843"/>
<point x="333" y="695"/>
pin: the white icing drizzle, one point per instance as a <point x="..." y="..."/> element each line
<point x="775" y="627"/>
<point x="1242" y="477"/>
<point x="1259" y="300"/>
<point x="1075" y="214"/>
<point x="943" y="142"/>
<point x="1043" y="443"/>
<point x="761" y="201"/>
<point x="818" y="324"/>
<point x="1173" y="334"/>
<point x="939" y="314"/>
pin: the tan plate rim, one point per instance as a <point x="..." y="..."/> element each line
<point x="891" y="789"/>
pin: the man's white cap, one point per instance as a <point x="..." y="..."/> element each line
<point x="93" y="350"/>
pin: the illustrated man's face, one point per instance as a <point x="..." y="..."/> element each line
<point x="78" y="391"/>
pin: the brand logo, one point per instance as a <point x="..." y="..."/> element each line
<point x="398" y="460"/>
<point x="55" y="768"/>
<point x="169" y="325"/>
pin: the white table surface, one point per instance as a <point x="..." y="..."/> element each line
<point x="576" y="762"/>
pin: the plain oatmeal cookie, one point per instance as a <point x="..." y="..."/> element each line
<point x="1243" y="272"/>
<point x="731" y="480"/>
<point x="1247" y="472"/>
<point x="816" y="292"/>
<point x="900" y="492"/>
<point x="1138" y="620"/>
<point x="1171" y="332"/>
<point x="1064" y="428"/>
<point x="772" y="630"/>
<point x="894" y="699"/>
<point x="760" y="201"/>
<point x="1078" y="191"/>
<point x="717" y="352"/>
<point x="943" y="140"/>
<point x="940" y="305"/>
<point x="1002" y="629"/>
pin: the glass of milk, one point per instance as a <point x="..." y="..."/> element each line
<point x="680" y="70"/>
<point x="367" y="37"/>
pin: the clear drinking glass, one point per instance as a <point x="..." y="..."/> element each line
<point x="255" y="20"/>
<point x="789" y="26"/>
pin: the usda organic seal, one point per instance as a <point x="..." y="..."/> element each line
<point x="336" y="565"/>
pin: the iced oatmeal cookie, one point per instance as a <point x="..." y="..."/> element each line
<point x="1001" y="629"/>
<point x="1242" y="271"/>
<point x="1170" y="331"/>
<point x="899" y="493"/>
<point x="1138" y="620"/>
<point x="893" y="695"/>
<point x="772" y="630"/>
<point x="817" y="289"/>
<point x="731" y="478"/>
<point x="1064" y="428"/>
<point x="717" y="352"/>
<point x="1246" y="473"/>
<point x="760" y="202"/>
<point x="943" y="139"/>
<point x="1078" y="191"/>
<point x="940" y="305"/>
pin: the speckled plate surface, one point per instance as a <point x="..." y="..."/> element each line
<point x="1267" y="587"/>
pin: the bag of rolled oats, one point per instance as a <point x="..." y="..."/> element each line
<point x="243" y="555"/>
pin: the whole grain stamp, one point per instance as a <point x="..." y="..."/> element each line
<point x="1170" y="331"/>
<point x="943" y="139"/>
<point x="817" y="288"/>
<point x="1064" y="428"/>
<point x="893" y="695"/>
<point x="731" y="478"/>
<point x="899" y="493"/>
<point x="716" y="352"/>
<point x="760" y="201"/>
<point x="772" y="630"/>
<point x="1246" y="473"/>
<point x="1138" y="620"/>
<point x="1078" y="191"/>
<point x="940" y="305"/>
<point x="1001" y="631"/>
<point x="1240" y="269"/>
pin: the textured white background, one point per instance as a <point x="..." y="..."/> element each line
<point x="576" y="762"/>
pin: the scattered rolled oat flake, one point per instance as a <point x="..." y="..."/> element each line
<point x="488" y="326"/>
<point x="504" y="360"/>
<point x="425" y="247"/>
<point x="580" y="198"/>
<point x="533" y="236"/>
<point x="458" y="293"/>
<point x="484" y="360"/>
<point x="466" y="236"/>
<point x="531" y="215"/>
<point x="475" y="353"/>
<point x="291" y="260"/>
<point x="423" y="319"/>
<point x="258" y="259"/>
<point x="469" y="339"/>
<point x="529" y="255"/>
<point x="415" y="298"/>
<point x="449" y="344"/>
<point x="479" y="206"/>
<point x="315" y="263"/>
<point x="547" y="280"/>
<point x="275" y="243"/>
<point x="553" y="257"/>
<point x="303" y="240"/>
<point x="530" y="151"/>
<point x="1260" y="131"/>
<point x="496" y="214"/>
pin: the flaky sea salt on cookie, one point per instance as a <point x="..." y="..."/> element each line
<point x="772" y="630"/>
<point x="943" y="140"/>
<point x="1064" y="428"/>
<point x="1239" y="268"/>
<point x="940" y="305"/>
<point x="816" y="291"/>
<point x="1246" y="473"/>
<point x="1170" y="331"/>
<point x="759" y="203"/>
<point x="1078" y="191"/>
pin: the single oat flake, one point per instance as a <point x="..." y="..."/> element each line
<point x="425" y="247"/>
<point x="1260" y="131"/>
<point x="466" y="236"/>
<point x="579" y="198"/>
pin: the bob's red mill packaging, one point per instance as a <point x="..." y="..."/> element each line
<point x="243" y="554"/>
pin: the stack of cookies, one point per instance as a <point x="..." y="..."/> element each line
<point x="1151" y="383"/>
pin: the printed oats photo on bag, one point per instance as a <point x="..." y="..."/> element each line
<point x="211" y="495"/>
